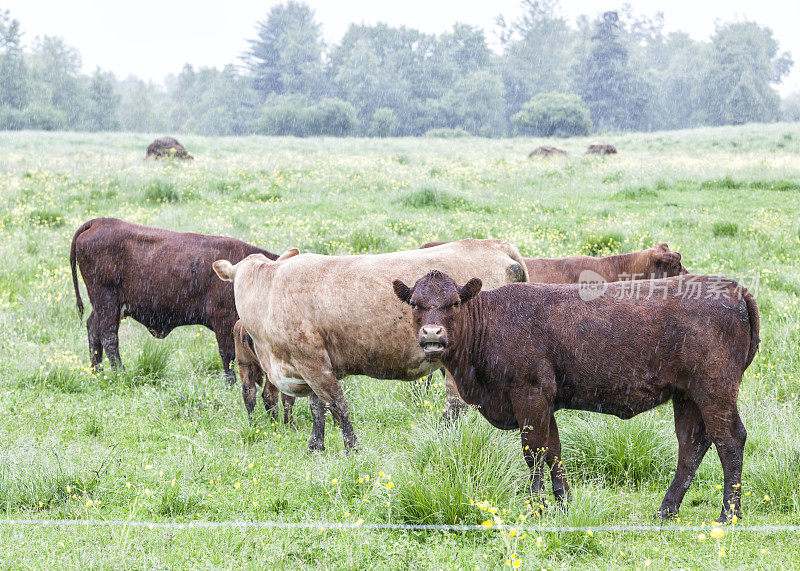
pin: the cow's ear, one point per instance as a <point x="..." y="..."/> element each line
<point x="402" y="291"/>
<point x="662" y="248"/>
<point x="470" y="290"/>
<point x="290" y="253"/>
<point x="225" y="270"/>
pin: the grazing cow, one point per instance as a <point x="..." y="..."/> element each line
<point x="656" y="262"/>
<point x="162" y="279"/>
<point x="547" y="151"/>
<point x="521" y="352"/>
<point x="252" y="377"/>
<point x="315" y="319"/>
<point x="167" y="148"/>
<point x="601" y="149"/>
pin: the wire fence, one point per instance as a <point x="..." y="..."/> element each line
<point x="244" y="525"/>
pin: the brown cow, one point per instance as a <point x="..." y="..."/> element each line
<point x="252" y="376"/>
<point x="167" y="148"/>
<point x="521" y="352"/>
<point x="547" y="151"/>
<point x="656" y="262"/>
<point x="316" y="319"/>
<point x="162" y="279"/>
<point x="601" y="149"/>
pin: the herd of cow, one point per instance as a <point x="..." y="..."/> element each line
<point x="618" y="335"/>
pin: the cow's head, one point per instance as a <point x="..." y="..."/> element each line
<point x="661" y="262"/>
<point x="227" y="271"/>
<point x="436" y="302"/>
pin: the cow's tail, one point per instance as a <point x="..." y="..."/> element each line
<point x="755" y="325"/>
<point x="73" y="263"/>
<point x="518" y="272"/>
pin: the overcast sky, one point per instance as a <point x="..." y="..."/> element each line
<point x="152" y="38"/>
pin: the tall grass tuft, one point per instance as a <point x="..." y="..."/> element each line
<point x="618" y="452"/>
<point x="153" y="359"/>
<point x="428" y="197"/>
<point x="173" y="503"/>
<point x="34" y="480"/>
<point x="722" y="228"/>
<point x="445" y="468"/>
<point x="63" y="378"/>
<point x="161" y="191"/>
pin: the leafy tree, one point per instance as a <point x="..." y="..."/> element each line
<point x="286" y="57"/>
<point x="790" y="107"/>
<point x="475" y="103"/>
<point x="55" y="75"/>
<point x="537" y="51"/>
<point x="139" y="109"/>
<point x="218" y="102"/>
<point x="745" y="64"/>
<point x="549" y="114"/>
<point x="384" y="122"/>
<point x="616" y="94"/>
<point x="102" y="103"/>
<point x="13" y="71"/>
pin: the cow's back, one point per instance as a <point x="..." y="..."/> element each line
<point x="161" y="278"/>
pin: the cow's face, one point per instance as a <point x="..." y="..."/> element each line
<point x="436" y="302"/>
<point x="664" y="263"/>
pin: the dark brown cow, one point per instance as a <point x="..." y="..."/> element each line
<point x="521" y="352"/>
<point x="547" y="151"/>
<point x="656" y="262"/>
<point x="601" y="149"/>
<point x="252" y="377"/>
<point x="162" y="279"/>
<point x="167" y="148"/>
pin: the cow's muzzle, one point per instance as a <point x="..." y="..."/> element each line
<point x="433" y="340"/>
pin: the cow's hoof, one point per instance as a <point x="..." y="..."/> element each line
<point x="316" y="447"/>
<point x="664" y="514"/>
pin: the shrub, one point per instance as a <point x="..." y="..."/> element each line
<point x="384" y="122"/>
<point x="554" y="114"/>
<point x="446" y="133"/>
<point x="332" y="117"/>
<point x="284" y="115"/>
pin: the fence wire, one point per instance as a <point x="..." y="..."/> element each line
<point x="244" y="525"/>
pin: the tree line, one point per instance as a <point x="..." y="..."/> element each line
<point x="619" y="71"/>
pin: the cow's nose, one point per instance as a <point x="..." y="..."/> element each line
<point x="432" y="331"/>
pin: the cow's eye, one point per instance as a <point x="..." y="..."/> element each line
<point x="412" y="304"/>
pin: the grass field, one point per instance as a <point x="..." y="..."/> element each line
<point x="166" y="441"/>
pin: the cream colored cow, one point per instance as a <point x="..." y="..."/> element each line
<point x="315" y="319"/>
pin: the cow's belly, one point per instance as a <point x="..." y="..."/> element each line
<point x="291" y="386"/>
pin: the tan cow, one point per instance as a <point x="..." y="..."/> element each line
<point x="315" y="319"/>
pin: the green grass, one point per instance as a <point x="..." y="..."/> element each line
<point x="110" y="445"/>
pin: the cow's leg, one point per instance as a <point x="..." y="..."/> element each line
<point x="317" y="442"/>
<point x="553" y="460"/>
<point x="227" y="352"/>
<point x="104" y="324"/>
<point x="250" y="375"/>
<point x="728" y="434"/>
<point x="730" y="449"/>
<point x="327" y="388"/>
<point x="454" y="405"/>
<point x="693" y="443"/>
<point x="270" y="395"/>
<point x="95" y="346"/>
<point x="288" y="405"/>
<point x="532" y="403"/>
